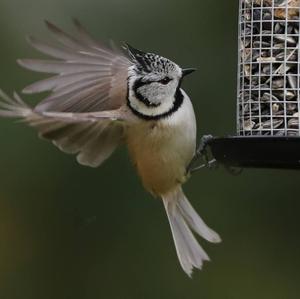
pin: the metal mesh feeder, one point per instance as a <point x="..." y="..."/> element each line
<point x="268" y="99"/>
<point x="269" y="68"/>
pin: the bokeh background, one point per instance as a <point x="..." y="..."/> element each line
<point x="67" y="231"/>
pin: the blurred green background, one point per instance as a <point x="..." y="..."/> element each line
<point x="67" y="231"/>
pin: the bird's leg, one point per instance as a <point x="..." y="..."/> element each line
<point x="201" y="153"/>
<point x="202" y="149"/>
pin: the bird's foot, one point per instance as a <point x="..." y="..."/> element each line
<point x="202" y="153"/>
<point x="202" y="149"/>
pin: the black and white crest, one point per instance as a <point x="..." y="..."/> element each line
<point x="149" y="62"/>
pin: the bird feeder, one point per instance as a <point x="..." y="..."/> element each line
<point x="268" y="93"/>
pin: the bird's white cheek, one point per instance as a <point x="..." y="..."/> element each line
<point x="165" y="105"/>
<point x="153" y="93"/>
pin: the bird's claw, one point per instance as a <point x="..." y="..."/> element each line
<point x="202" y="149"/>
<point x="202" y="153"/>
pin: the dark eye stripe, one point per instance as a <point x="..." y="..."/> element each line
<point x="139" y="83"/>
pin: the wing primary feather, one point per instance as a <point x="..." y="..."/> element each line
<point x="112" y="115"/>
<point x="66" y="39"/>
<point x="88" y="76"/>
<point x="73" y="43"/>
<point x="72" y="88"/>
<point x="60" y="67"/>
<point x="72" y="98"/>
<point x="58" y="81"/>
<point x="86" y="37"/>
<point x="66" y="54"/>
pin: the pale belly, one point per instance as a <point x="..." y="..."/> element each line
<point x="161" y="153"/>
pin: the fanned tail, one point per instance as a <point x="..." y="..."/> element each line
<point x="182" y="218"/>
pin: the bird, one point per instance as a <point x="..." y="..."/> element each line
<point x="102" y="96"/>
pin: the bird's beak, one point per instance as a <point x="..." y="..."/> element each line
<point x="188" y="71"/>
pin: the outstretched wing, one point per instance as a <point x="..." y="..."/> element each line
<point x="87" y="95"/>
<point x="92" y="142"/>
<point x="88" y="75"/>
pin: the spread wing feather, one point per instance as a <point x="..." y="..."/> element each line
<point x="81" y="64"/>
<point x="89" y="87"/>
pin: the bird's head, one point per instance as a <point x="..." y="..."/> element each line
<point x="153" y="83"/>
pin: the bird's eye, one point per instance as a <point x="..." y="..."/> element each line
<point x="165" y="80"/>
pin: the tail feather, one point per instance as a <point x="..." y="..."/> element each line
<point x="190" y="253"/>
<point x="182" y="217"/>
<point x="13" y="106"/>
<point x="196" y="222"/>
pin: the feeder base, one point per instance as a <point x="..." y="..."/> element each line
<point x="257" y="152"/>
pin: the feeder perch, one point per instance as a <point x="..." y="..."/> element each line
<point x="268" y="95"/>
